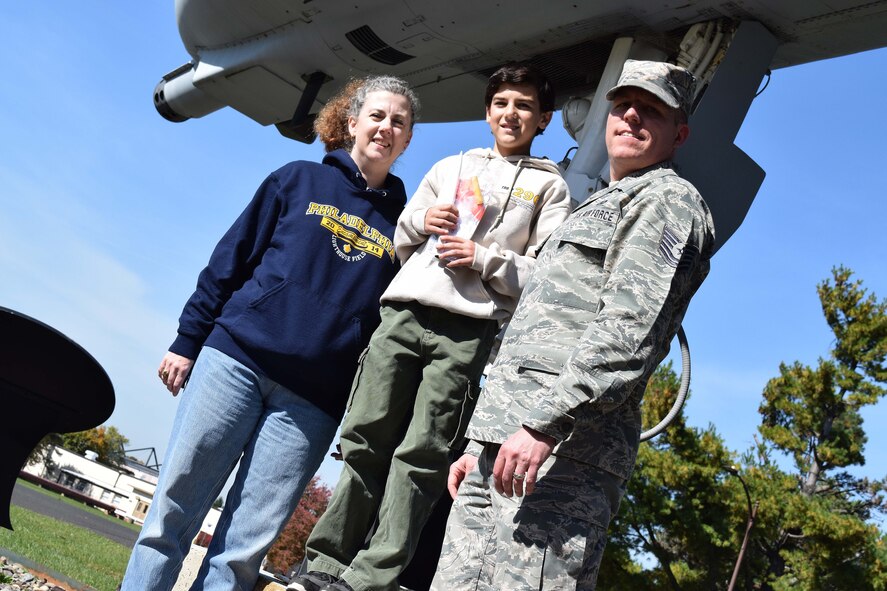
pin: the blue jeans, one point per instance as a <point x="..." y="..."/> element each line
<point x="228" y="413"/>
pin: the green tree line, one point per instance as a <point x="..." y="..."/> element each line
<point x="681" y="524"/>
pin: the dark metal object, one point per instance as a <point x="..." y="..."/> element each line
<point x="48" y="384"/>
<point x="752" y="513"/>
<point x="301" y="126"/>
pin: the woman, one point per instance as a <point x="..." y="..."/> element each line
<point x="280" y="315"/>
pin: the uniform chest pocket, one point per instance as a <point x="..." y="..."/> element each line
<point x="589" y="235"/>
<point x="576" y="268"/>
<point x="585" y="241"/>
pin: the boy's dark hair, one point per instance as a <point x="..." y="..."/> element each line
<point x="524" y="74"/>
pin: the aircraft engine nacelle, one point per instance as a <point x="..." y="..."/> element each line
<point x="177" y="99"/>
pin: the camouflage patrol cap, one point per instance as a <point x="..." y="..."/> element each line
<point x="671" y="84"/>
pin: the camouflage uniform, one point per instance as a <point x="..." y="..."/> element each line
<point x="610" y="288"/>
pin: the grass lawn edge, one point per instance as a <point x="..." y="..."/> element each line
<point x="43" y="572"/>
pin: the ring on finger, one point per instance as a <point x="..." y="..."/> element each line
<point x="519" y="476"/>
<point x="164" y="374"/>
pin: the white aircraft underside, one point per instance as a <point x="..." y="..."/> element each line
<point x="278" y="61"/>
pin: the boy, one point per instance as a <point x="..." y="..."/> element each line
<point x="468" y="241"/>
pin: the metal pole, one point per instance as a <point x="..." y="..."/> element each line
<point x="752" y="512"/>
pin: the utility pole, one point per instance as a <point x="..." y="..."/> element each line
<point x="752" y="513"/>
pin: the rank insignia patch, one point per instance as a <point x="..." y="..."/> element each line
<point x="676" y="253"/>
<point x="670" y="247"/>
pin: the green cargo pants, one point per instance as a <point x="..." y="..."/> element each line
<point x="410" y="403"/>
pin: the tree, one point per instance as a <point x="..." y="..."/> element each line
<point x="677" y="511"/>
<point x="683" y="517"/>
<point x="289" y="548"/>
<point x="43" y="451"/>
<point x="823" y="538"/>
<point x="107" y="442"/>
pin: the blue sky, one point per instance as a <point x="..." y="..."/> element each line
<point x="108" y="212"/>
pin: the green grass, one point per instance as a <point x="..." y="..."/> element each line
<point x="73" y="551"/>
<point x="70" y="501"/>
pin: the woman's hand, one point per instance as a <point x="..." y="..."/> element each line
<point x="173" y="371"/>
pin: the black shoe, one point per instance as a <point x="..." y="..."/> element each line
<point x="339" y="585"/>
<point x="314" y="580"/>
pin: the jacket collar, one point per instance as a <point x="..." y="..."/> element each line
<point x="342" y="160"/>
<point x="639" y="173"/>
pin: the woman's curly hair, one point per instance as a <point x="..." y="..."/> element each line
<point x="331" y="124"/>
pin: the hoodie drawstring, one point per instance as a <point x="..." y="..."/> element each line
<point x="501" y="216"/>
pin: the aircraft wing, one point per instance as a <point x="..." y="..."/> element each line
<point x="278" y="61"/>
<point x="258" y="56"/>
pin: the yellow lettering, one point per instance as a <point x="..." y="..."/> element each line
<point x="335" y="221"/>
<point x="525" y="195"/>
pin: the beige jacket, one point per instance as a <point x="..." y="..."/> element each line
<point x="525" y="198"/>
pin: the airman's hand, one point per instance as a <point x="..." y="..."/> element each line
<point x="517" y="464"/>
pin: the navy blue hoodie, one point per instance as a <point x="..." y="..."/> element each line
<point x="292" y="289"/>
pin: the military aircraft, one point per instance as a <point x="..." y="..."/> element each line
<point x="277" y="62"/>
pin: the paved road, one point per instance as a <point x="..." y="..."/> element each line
<point x="39" y="502"/>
